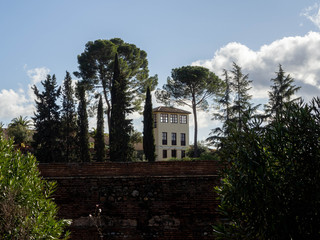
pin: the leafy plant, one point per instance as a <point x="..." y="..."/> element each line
<point x="271" y="182"/>
<point x="26" y="208"/>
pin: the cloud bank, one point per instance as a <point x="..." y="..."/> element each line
<point x="14" y="103"/>
<point x="299" y="57"/>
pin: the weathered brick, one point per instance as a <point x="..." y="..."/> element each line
<point x="161" y="200"/>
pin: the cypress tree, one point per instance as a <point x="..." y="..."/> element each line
<point x="148" y="137"/>
<point x="121" y="149"/>
<point x="99" y="144"/>
<point x="47" y="122"/>
<point x="83" y="125"/>
<point x="69" y="122"/>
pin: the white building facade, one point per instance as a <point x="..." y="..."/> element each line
<point x="171" y="132"/>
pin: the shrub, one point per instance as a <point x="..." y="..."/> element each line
<point x="271" y="184"/>
<point x="26" y="209"/>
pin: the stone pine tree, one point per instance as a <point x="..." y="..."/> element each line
<point x="281" y="93"/>
<point x="83" y="125"/>
<point x="148" y="136"/>
<point x="47" y="121"/>
<point x="191" y="86"/>
<point x="69" y="122"/>
<point x="121" y="149"/>
<point x="99" y="144"/>
<point x="96" y="67"/>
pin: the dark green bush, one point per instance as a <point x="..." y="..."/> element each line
<point x="271" y="183"/>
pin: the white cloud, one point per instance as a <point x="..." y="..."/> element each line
<point x="313" y="14"/>
<point x="38" y="74"/>
<point x="298" y="55"/>
<point x="14" y="103"/>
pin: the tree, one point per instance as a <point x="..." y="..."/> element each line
<point x="96" y="66"/>
<point x="83" y="125"/>
<point x="68" y="122"/>
<point x="281" y="93"/>
<point x="148" y="136"/>
<point x="27" y="210"/>
<point x="240" y="85"/>
<point x="224" y="114"/>
<point x="120" y="127"/>
<point x="47" y="121"/>
<point x="191" y="86"/>
<point x="270" y="187"/>
<point x="99" y="144"/>
<point x="19" y="130"/>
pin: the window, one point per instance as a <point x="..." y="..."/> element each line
<point x="174" y="153"/>
<point x="174" y="118"/>
<point x="164" y="118"/>
<point x="173" y="139"/>
<point x="164" y="138"/>
<point x="155" y="120"/>
<point x="183" y="139"/>
<point x="183" y="119"/>
<point x="183" y="153"/>
<point x="164" y="154"/>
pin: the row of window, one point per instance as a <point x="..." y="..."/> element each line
<point x="173" y="138"/>
<point x="164" y="118"/>
<point x="173" y="153"/>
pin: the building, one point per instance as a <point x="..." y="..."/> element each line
<point x="171" y="132"/>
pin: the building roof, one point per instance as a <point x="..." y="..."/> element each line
<point x="170" y="110"/>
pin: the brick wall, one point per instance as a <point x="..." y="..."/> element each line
<point x="161" y="200"/>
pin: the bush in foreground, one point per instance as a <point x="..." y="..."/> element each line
<point x="26" y="209"/>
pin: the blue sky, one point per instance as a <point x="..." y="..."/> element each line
<point x="41" y="37"/>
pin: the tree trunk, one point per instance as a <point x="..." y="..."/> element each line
<point x="108" y="107"/>
<point x="195" y="144"/>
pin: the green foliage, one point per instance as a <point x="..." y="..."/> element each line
<point x="18" y="129"/>
<point x="83" y="125"/>
<point x="121" y="149"/>
<point x="47" y="122"/>
<point x="191" y="86"/>
<point x="69" y="126"/>
<point x="224" y="114"/>
<point x="99" y="144"/>
<point x="281" y="93"/>
<point x="204" y="152"/>
<point x="271" y="182"/>
<point x="26" y="208"/>
<point x="235" y="106"/>
<point x="136" y="137"/>
<point x="96" y="66"/>
<point x="148" y="137"/>
<point x="240" y="85"/>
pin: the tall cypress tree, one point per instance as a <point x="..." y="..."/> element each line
<point x="99" y="144"/>
<point x="83" y="125"/>
<point x="47" y="122"/>
<point x="281" y="93"/>
<point x="69" y="122"/>
<point x="121" y="149"/>
<point x="148" y="137"/>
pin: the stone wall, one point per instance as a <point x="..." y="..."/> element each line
<point x="161" y="200"/>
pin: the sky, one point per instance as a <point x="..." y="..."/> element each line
<point x="44" y="37"/>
